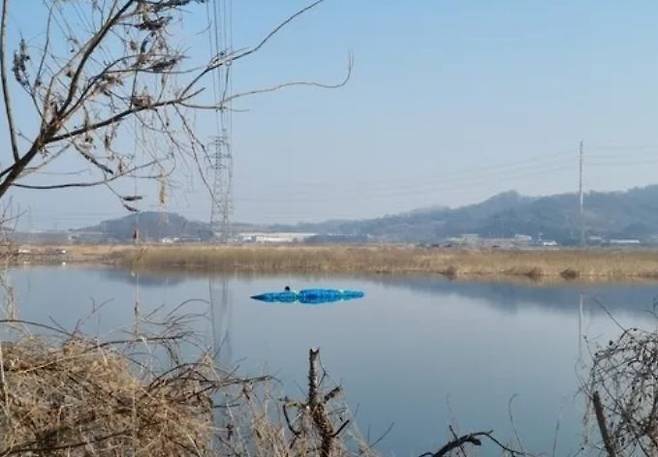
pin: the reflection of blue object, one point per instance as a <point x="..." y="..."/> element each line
<point x="310" y="296"/>
<point x="285" y="297"/>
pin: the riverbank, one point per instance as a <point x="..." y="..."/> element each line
<point x="567" y="264"/>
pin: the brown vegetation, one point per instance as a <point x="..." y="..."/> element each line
<point x="454" y="263"/>
<point x="76" y="396"/>
<point x="79" y="395"/>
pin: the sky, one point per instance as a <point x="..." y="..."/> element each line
<point x="449" y="103"/>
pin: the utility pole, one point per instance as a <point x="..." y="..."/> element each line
<point x="581" y="196"/>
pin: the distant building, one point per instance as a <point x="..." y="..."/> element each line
<point x="521" y="238"/>
<point x="466" y="239"/>
<point x="274" y="237"/>
<point x="470" y="237"/>
<point x="337" y="239"/>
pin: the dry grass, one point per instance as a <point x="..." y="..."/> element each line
<point x="563" y="264"/>
<point x="534" y="264"/>
<point x="81" y="399"/>
<point x="73" y="396"/>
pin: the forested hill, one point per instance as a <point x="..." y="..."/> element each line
<point x="628" y="214"/>
<point x="632" y="214"/>
<point x="152" y="226"/>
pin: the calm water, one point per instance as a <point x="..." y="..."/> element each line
<point x="420" y="353"/>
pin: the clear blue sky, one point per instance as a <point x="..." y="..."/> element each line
<point x="450" y="102"/>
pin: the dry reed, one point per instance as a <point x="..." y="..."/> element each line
<point x="80" y="398"/>
<point x="454" y="263"/>
<point x="73" y="396"/>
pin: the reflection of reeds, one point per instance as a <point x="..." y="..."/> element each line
<point x="537" y="265"/>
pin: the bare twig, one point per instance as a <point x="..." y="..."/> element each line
<point x="475" y="440"/>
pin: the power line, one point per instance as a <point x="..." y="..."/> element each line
<point x="470" y="173"/>
<point x="222" y="158"/>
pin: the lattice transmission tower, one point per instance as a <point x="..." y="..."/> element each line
<point x="220" y="14"/>
<point x="222" y="200"/>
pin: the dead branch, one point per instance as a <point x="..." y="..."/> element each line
<point x="316" y="405"/>
<point x="473" y="439"/>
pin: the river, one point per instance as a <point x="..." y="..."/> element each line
<point x="417" y="352"/>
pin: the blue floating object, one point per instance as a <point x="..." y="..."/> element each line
<point x="309" y="296"/>
<point x="283" y="297"/>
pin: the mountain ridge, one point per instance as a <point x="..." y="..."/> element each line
<point x="619" y="214"/>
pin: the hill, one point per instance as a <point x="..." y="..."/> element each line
<point x="152" y="226"/>
<point x="629" y="214"/>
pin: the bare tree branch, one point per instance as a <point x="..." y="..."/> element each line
<point x="116" y="70"/>
<point x="217" y="62"/>
<point x="91" y="183"/>
<point x="90" y="48"/>
<point x="225" y="101"/>
<point x="117" y="118"/>
<point x="5" y="87"/>
<point x="475" y="440"/>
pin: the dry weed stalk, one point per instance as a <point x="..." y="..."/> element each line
<point x="321" y="426"/>
<point x="312" y="415"/>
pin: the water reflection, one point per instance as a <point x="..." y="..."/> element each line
<point x="511" y="296"/>
<point x="220" y="319"/>
<point x="634" y="297"/>
<point x="127" y="276"/>
<point x="421" y="352"/>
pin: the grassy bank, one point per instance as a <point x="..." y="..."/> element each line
<point x="536" y="264"/>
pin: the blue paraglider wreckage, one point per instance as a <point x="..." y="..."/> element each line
<point x="309" y="296"/>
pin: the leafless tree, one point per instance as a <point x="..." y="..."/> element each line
<point x="105" y="72"/>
